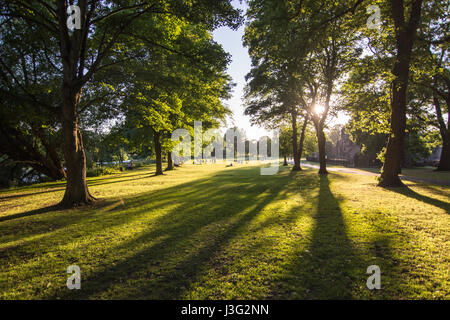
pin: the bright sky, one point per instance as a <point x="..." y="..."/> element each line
<point x="237" y="69"/>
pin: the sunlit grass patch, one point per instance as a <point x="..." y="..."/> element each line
<point x="210" y="232"/>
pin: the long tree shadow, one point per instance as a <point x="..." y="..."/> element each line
<point x="50" y="223"/>
<point x="426" y="180"/>
<point x="29" y="213"/>
<point x="408" y="192"/>
<point x="444" y="192"/>
<point x="60" y="221"/>
<point x="176" y="233"/>
<point x="330" y="267"/>
<point x="60" y="186"/>
<point x="21" y="195"/>
<point x="162" y="261"/>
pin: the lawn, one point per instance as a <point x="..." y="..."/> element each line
<point x="424" y="174"/>
<point x="210" y="232"/>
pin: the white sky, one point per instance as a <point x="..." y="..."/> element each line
<point x="237" y="69"/>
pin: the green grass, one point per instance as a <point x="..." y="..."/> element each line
<point x="210" y="232"/>
<point x="428" y="174"/>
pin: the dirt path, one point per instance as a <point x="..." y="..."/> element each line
<point x="345" y="170"/>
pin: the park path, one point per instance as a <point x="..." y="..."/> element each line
<point x="345" y="170"/>
<point x="367" y="173"/>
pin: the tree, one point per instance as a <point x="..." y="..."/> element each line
<point x="29" y="125"/>
<point x="405" y="29"/>
<point x="93" y="47"/>
<point x="431" y="75"/>
<point x="273" y="105"/>
<point x="369" y="88"/>
<point x="444" y="129"/>
<point x="274" y="88"/>
<point x="285" y="143"/>
<point x="177" y="83"/>
<point x="290" y="53"/>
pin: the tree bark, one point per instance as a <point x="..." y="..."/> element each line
<point x="158" y="153"/>
<point x="444" y="162"/>
<point x="285" y="161"/>
<point x="405" y="33"/>
<point x="322" y="152"/>
<point x="73" y="58"/>
<point x="169" y="161"/>
<point x="295" y="142"/>
<point x="77" y="192"/>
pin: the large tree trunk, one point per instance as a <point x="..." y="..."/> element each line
<point x="73" y="58"/>
<point x="395" y="146"/>
<point x="444" y="163"/>
<point x="322" y="153"/>
<point x="294" y="143"/>
<point x="77" y="192"/>
<point x="285" y="163"/>
<point x="405" y="32"/>
<point x="169" y="161"/>
<point x="158" y="153"/>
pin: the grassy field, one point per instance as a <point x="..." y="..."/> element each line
<point x="427" y="174"/>
<point x="210" y="232"/>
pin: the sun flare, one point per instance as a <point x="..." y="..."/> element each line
<point x="319" y="109"/>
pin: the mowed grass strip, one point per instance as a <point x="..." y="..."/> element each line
<point x="210" y="232"/>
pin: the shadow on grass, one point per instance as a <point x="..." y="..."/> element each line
<point x="326" y="269"/>
<point x="408" y="192"/>
<point x="330" y="266"/>
<point x="191" y="236"/>
<point x="22" y="195"/>
<point x="192" y="222"/>
<point x="176" y="233"/>
<point x="445" y="192"/>
<point x="48" y="222"/>
<point x="54" y="187"/>
<point x="30" y="213"/>
<point x="105" y="182"/>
